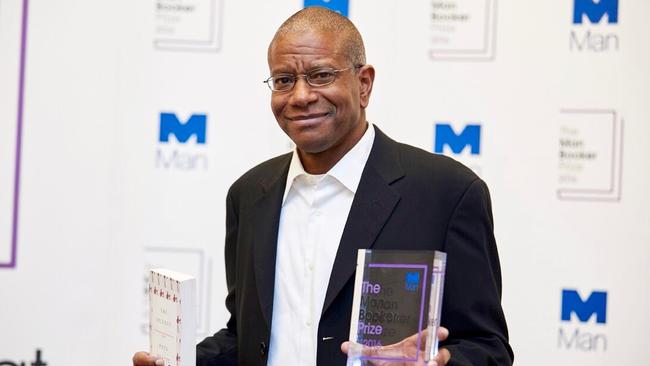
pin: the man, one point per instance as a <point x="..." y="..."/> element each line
<point x="294" y="223"/>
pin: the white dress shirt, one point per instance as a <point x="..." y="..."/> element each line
<point x="314" y="211"/>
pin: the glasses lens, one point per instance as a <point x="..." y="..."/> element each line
<point x="282" y="82"/>
<point x="321" y="77"/>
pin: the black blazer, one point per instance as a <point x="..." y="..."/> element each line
<point x="407" y="199"/>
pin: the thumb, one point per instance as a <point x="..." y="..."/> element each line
<point x="345" y="346"/>
<point x="144" y="359"/>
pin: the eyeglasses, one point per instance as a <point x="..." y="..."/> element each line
<point x="316" y="77"/>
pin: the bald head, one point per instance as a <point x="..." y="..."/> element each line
<point x="322" y="20"/>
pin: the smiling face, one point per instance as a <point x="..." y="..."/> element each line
<point x="324" y="122"/>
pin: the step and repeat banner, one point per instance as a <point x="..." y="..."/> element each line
<point x="122" y="125"/>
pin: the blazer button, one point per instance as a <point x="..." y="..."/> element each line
<point x="263" y="348"/>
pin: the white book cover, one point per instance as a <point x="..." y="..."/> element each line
<point x="172" y="317"/>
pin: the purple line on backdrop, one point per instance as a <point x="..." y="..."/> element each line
<point x="19" y="132"/>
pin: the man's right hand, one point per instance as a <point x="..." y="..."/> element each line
<point x="143" y="359"/>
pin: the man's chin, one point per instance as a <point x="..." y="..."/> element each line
<point x="309" y="141"/>
<point x="310" y="148"/>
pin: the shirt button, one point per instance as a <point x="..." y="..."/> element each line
<point x="308" y="324"/>
<point x="310" y="267"/>
<point x="317" y="213"/>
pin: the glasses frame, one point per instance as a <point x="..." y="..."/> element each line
<point x="306" y="77"/>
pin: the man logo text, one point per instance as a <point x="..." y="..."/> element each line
<point x="182" y="142"/>
<point x="591" y="316"/>
<point x="589" y="17"/>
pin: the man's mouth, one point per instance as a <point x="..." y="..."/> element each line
<point x="307" y="117"/>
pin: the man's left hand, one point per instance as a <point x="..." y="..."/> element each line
<point x="406" y="349"/>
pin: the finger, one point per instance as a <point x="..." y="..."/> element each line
<point x="345" y="346"/>
<point x="442" y="357"/>
<point x="443" y="333"/>
<point x="355" y="350"/>
<point x="144" y="359"/>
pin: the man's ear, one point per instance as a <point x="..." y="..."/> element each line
<point x="366" y="80"/>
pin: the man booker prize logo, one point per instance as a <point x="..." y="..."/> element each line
<point x="463" y="30"/>
<point x="188" y="25"/>
<point x="590" y="156"/>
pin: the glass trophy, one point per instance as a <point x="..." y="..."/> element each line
<point x="396" y="307"/>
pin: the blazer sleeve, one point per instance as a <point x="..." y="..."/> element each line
<point x="472" y="300"/>
<point x="220" y="349"/>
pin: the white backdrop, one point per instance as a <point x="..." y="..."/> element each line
<point x="560" y="109"/>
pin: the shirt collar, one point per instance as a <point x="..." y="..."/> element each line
<point x="348" y="170"/>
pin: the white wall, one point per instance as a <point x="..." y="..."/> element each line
<point x="96" y="206"/>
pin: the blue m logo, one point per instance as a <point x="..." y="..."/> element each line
<point x="470" y="136"/>
<point x="595" y="10"/>
<point x="596" y="303"/>
<point x="339" y="6"/>
<point x="412" y="281"/>
<point x="171" y="125"/>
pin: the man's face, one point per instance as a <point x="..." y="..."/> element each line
<point x="325" y="118"/>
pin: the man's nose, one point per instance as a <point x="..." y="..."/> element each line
<point x="303" y="93"/>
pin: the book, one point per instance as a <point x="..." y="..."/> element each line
<point x="172" y="317"/>
<point x="397" y="301"/>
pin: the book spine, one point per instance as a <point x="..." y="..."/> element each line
<point x="151" y="311"/>
<point x="187" y="331"/>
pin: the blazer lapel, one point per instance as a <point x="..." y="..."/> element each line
<point x="373" y="204"/>
<point x="265" y="219"/>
